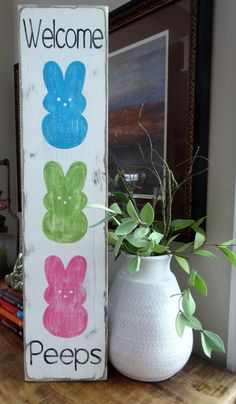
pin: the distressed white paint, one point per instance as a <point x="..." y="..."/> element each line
<point x="37" y="152"/>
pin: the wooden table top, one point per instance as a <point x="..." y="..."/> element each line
<point x="199" y="382"/>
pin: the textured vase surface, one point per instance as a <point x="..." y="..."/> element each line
<point x="143" y="342"/>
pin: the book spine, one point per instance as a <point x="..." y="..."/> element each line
<point x="20" y="314"/>
<point x="12" y="327"/>
<point x="11" y="300"/>
<point x="8" y="306"/>
<point x="11" y="317"/>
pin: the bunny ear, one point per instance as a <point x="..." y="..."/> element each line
<point x="53" y="77"/>
<point x="74" y="77"/>
<point x="76" y="175"/>
<point x="53" y="176"/>
<point x="76" y="269"/>
<point x="54" y="270"/>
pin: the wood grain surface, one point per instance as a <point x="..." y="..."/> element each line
<point x="199" y="382"/>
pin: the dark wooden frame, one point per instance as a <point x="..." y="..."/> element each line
<point x="199" y="83"/>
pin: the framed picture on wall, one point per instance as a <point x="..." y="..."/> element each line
<point x="159" y="89"/>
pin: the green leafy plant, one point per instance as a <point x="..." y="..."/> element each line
<point x="151" y="231"/>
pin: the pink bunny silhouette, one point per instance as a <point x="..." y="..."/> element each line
<point x="65" y="316"/>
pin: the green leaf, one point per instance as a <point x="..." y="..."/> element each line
<point x="147" y="252"/>
<point x="141" y="232"/>
<point x="192" y="277"/>
<point x="205" y="253"/>
<point x="131" y="210"/>
<point x="121" y="196"/>
<point x="155" y="237"/>
<point x="206" y="346"/>
<point x="99" y="206"/>
<point x="180" y="224"/>
<point x="126" y="227"/>
<point x="183" y="248"/>
<point x="196" y="280"/>
<point x="136" y="242"/>
<point x="134" y="264"/>
<point x="115" y="208"/>
<point x="192" y="322"/>
<point x="179" y="324"/>
<point x="199" y="240"/>
<point x="216" y="341"/>
<point x="198" y="223"/>
<point x="229" y="242"/>
<point x="112" y="238"/>
<point x="183" y="263"/>
<point x="118" y="245"/>
<point x="147" y="214"/>
<point x="211" y="342"/>
<point x="158" y="248"/>
<point x="188" y="303"/>
<point x="228" y="253"/>
<point x="158" y="225"/>
<point x="104" y="220"/>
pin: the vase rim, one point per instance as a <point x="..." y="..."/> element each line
<point x="149" y="258"/>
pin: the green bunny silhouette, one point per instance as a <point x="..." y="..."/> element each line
<point x="65" y="222"/>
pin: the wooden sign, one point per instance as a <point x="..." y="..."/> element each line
<point x="63" y="54"/>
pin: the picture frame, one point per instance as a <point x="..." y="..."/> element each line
<point x="189" y="23"/>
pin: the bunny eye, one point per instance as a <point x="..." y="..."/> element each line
<point x="59" y="290"/>
<point x="58" y="99"/>
<point x="69" y="197"/>
<point x="59" y="198"/>
<point x="71" y="291"/>
<point x="69" y="99"/>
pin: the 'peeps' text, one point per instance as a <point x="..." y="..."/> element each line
<point x="75" y="357"/>
<point x="58" y="37"/>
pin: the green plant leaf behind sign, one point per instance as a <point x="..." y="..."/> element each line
<point x="147" y="214"/>
<point x="104" y="220"/>
<point x="134" y="264"/>
<point x="211" y="342"/>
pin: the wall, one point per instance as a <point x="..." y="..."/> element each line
<point x="7" y="116"/>
<point x="221" y="188"/>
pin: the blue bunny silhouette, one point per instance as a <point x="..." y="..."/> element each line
<point x="64" y="127"/>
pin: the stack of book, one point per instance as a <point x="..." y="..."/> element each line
<point x="11" y="310"/>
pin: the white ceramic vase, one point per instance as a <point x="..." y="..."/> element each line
<point x="143" y="342"/>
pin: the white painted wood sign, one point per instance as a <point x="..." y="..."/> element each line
<point x="63" y="67"/>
